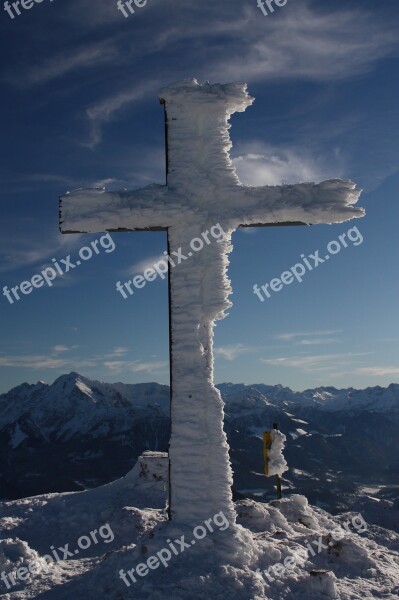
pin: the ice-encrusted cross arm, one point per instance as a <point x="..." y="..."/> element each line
<point x="95" y="210"/>
<point x="331" y="201"/>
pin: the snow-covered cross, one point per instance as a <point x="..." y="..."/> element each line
<point x="202" y="190"/>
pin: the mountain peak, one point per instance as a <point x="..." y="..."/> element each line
<point x="73" y="376"/>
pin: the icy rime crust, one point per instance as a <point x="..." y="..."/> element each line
<point x="277" y="462"/>
<point x="199" y="141"/>
<point x="202" y="190"/>
<point x="200" y="470"/>
<point x="202" y="182"/>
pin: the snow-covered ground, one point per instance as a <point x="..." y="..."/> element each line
<point x="126" y="514"/>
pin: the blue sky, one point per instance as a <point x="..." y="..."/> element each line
<point x="80" y="108"/>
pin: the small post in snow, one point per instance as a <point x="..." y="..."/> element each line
<point x="278" y="477"/>
<point x="267" y="446"/>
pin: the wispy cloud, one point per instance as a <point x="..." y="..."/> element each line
<point x="260" y="164"/>
<point x="117" y="366"/>
<point x="109" y="183"/>
<point x="233" y="351"/>
<point x="316" y="341"/>
<point x="307" y="43"/>
<point x="120" y="350"/>
<point x="117" y="354"/>
<point x="17" y="251"/>
<point x="59" y="348"/>
<point x="304" y="43"/>
<point x="379" y="371"/>
<point x="146" y="263"/>
<point x="57" y="359"/>
<point x="38" y="361"/>
<point x="307" y="334"/>
<point x="105" y="110"/>
<point x="315" y="363"/>
<point x="76" y="60"/>
<point x="149" y="367"/>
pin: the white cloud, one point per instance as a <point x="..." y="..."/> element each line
<point x="108" y="183"/>
<point x="115" y="365"/>
<point x="249" y="230"/>
<point x="56" y="359"/>
<point x="120" y="350"/>
<point x="59" y="348"/>
<point x="290" y="336"/>
<point x="136" y="366"/>
<point x="261" y="164"/>
<point x="379" y="371"/>
<point x="19" y="250"/>
<point x="146" y="263"/>
<point x="233" y="351"/>
<point x="43" y="362"/>
<point x="315" y="363"/>
<point x="149" y="367"/>
<point x="306" y="43"/>
<point x="104" y="111"/>
<point x="316" y="342"/>
<point x="59" y="65"/>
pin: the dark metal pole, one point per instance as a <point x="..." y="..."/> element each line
<point x="170" y="315"/>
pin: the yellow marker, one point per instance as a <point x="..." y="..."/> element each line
<point x="267" y="442"/>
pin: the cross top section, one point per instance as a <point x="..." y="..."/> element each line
<point x="197" y="119"/>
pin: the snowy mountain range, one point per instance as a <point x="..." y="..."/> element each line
<point x="78" y="433"/>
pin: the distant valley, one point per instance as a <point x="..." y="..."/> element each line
<point x="78" y="433"/>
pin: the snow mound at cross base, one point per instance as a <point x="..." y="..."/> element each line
<point x="355" y="567"/>
<point x="363" y="564"/>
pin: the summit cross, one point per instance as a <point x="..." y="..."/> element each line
<point x="202" y="190"/>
